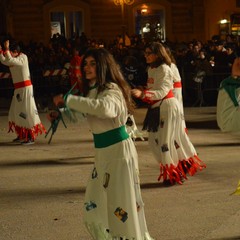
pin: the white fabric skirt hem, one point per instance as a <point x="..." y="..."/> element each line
<point x="100" y="233"/>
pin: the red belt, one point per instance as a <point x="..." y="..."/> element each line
<point x="177" y="85"/>
<point x="22" y="84"/>
<point x="169" y="95"/>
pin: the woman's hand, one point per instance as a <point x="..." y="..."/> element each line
<point x="52" y="116"/>
<point x="6" y="44"/>
<point x="58" y="100"/>
<point x="137" y="93"/>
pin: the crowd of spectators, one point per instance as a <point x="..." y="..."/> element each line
<point x="196" y="60"/>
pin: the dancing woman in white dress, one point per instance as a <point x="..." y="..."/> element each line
<point x="114" y="208"/>
<point x="167" y="139"/>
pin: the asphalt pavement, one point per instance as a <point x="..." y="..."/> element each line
<point x="42" y="185"/>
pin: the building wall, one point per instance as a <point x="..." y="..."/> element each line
<point x="215" y="12"/>
<point x="25" y="20"/>
<point x="106" y="20"/>
<point x="185" y="19"/>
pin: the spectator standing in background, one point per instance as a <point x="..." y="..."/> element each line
<point x="75" y="74"/>
<point x="219" y="58"/>
<point x="231" y="55"/>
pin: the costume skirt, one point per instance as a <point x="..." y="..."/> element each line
<point x="171" y="145"/>
<point x="114" y="207"/>
<point x="23" y="115"/>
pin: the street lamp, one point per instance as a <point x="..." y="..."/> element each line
<point x="121" y="3"/>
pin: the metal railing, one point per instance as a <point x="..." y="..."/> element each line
<point x="48" y="82"/>
<point x="202" y="92"/>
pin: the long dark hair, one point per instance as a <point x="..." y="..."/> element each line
<point x="108" y="71"/>
<point x="169" y="52"/>
<point x="158" y="49"/>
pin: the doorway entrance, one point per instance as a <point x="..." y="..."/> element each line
<point x="150" y="24"/>
<point x="69" y="18"/>
<point x="67" y="23"/>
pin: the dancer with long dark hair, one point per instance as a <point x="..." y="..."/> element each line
<point x="114" y="207"/>
<point x="168" y="139"/>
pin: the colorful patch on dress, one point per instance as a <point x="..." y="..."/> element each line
<point x="90" y="205"/>
<point x="165" y="148"/>
<point x="161" y="123"/>
<point x="106" y="179"/>
<point x="176" y="144"/>
<point x="23" y="115"/>
<point x="94" y="173"/>
<point x="150" y="80"/>
<point x="121" y="214"/>
<point x="138" y="207"/>
<point x="129" y="122"/>
<point x="18" y="96"/>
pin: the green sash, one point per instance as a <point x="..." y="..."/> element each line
<point x="230" y="85"/>
<point x="110" y="137"/>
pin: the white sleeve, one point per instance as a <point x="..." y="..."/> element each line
<point x="17" y="61"/>
<point x="132" y="129"/>
<point x="3" y="59"/>
<point x="69" y="116"/>
<point x="176" y="74"/>
<point x="238" y="95"/>
<point x="164" y="83"/>
<point x="107" y="105"/>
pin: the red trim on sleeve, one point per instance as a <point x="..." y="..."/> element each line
<point x="177" y="85"/>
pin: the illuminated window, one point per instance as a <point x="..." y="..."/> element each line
<point x="67" y="24"/>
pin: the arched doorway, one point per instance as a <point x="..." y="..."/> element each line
<point x="66" y="17"/>
<point x="151" y="20"/>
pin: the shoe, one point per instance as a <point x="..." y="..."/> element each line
<point x="182" y="179"/>
<point x="168" y="183"/>
<point x="17" y="139"/>
<point x="28" y="142"/>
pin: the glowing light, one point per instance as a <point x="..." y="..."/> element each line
<point x="121" y="2"/>
<point x="223" y="21"/>
<point x="144" y="10"/>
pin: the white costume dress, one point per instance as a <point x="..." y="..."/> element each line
<point x="177" y="89"/>
<point x="113" y="208"/>
<point x="177" y="85"/>
<point x="228" y="105"/>
<point x="23" y="115"/>
<point x="170" y="144"/>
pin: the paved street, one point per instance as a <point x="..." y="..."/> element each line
<point x="42" y="186"/>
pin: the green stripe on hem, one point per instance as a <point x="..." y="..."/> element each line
<point x="110" y="137"/>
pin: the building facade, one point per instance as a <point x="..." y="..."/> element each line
<point x="176" y="20"/>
